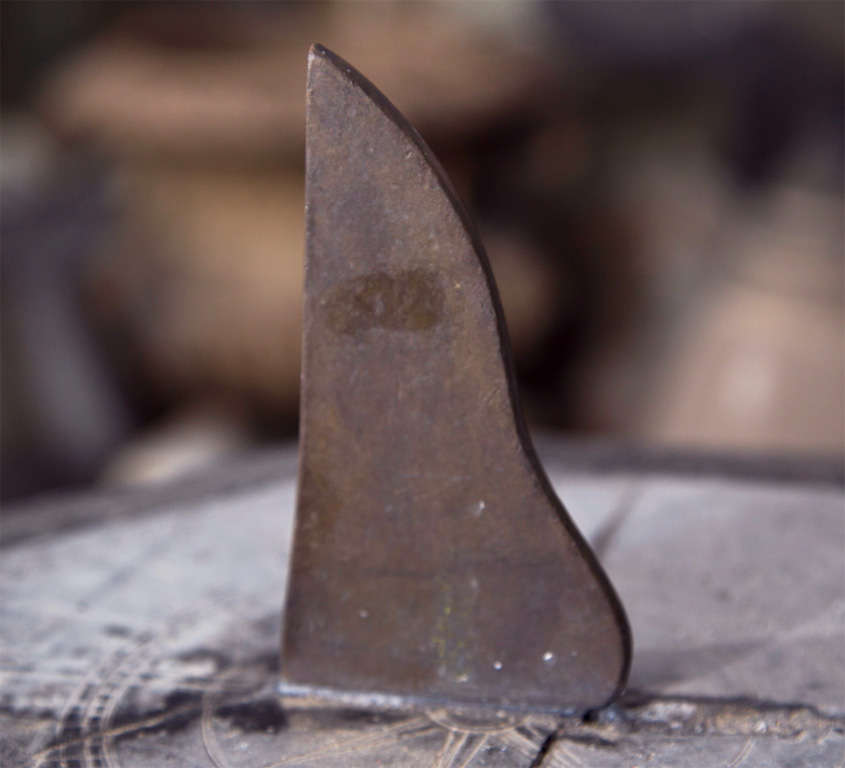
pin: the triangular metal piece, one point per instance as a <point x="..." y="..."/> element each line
<point x="433" y="564"/>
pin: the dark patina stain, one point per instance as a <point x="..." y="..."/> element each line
<point x="411" y="300"/>
<point x="331" y="718"/>
<point x="264" y="715"/>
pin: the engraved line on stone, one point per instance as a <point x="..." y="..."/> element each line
<point x="563" y="756"/>
<point x="448" y="758"/>
<point x="516" y="740"/>
<point x="481" y="742"/>
<point x="438" y="758"/>
<point x="742" y="754"/>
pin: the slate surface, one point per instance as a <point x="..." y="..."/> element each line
<point x="144" y="632"/>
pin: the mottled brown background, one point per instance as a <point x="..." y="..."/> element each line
<point x="659" y="186"/>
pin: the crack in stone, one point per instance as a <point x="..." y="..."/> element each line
<point x="543" y="752"/>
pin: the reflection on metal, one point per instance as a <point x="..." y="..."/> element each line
<point x="433" y="565"/>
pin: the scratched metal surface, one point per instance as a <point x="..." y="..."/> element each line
<point x="148" y="634"/>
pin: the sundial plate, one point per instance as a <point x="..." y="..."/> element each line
<point x="140" y="638"/>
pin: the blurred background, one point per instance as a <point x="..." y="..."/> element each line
<point x="659" y="187"/>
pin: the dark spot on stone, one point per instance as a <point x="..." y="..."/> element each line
<point x="179" y="721"/>
<point x="408" y="301"/>
<point x="330" y="718"/>
<point x="182" y="698"/>
<point x="117" y="630"/>
<point x="180" y="708"/>
<point x="264" y="715"/>
<point x="364" y="716"/>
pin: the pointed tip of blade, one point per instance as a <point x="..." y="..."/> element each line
<point x="319" y="53"/>
<point x="318" y="57"/>
<point x="315" y="49"/>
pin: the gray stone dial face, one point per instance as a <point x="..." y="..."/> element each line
<point x="149" y="636"/>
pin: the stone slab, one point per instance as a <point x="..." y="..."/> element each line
<point x="146" y="632"/>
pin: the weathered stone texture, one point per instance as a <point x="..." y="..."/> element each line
<point x="150" y="637"/>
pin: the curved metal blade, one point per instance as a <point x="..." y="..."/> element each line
<point x="432" y="563"/>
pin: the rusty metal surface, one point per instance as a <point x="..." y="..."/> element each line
<point x="433" y="564"/>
